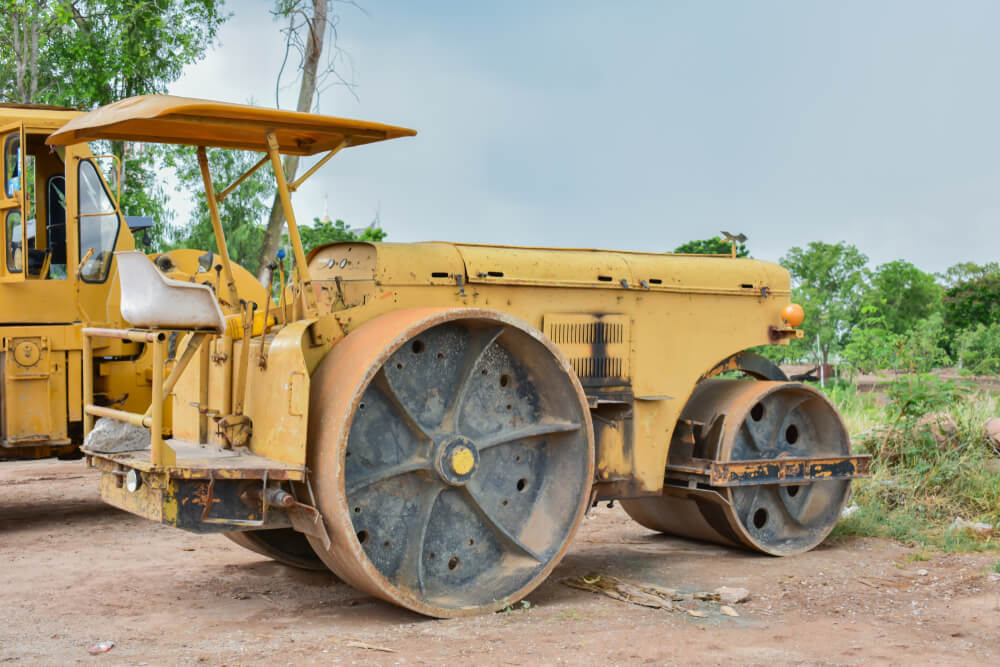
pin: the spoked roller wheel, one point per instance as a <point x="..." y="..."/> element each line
<point x="747" y="420"/>
<point x="451" y="455"/>
<point x="284" y="545"/>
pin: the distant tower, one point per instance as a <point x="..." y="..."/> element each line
<point x="326" y="208"/>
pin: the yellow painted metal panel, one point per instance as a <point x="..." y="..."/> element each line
<point x="39" y="116"/>
<point x="418" y="264"/>
<point x="699" y="314"/>
<point x="185" y="400"/>
<point x="181" y="120"/>
<point x="535" y="266"/>
<point x="34" y="393"/>
<point x="278" y="397"/>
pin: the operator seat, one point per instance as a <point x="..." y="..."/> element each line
<point x="150" y="300"/>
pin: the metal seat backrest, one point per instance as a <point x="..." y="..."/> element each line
<point x="151" y="300"/>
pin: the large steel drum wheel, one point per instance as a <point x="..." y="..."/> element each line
<point x="758" y="420"/>
<point x="451" y="454"/>
<point x="285" y="545"/>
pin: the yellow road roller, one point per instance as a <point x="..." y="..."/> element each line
<point x="436" y="418"/>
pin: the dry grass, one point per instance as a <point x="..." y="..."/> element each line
<point x="918" y="487"/>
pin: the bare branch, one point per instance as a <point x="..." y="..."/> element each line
<point x="277" y="82"/>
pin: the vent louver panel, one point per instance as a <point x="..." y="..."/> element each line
<point x="588" y="332"/>
<point x="597" y="345"/>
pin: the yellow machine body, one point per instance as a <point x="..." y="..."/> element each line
<point x="638" y="351"/>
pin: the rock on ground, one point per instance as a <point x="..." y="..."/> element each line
<point x="111" y="436"/>
<point x="729" y="595"/>
<point x="993" y="433"/>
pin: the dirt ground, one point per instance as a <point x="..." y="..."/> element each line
<point x="76" y="572"/>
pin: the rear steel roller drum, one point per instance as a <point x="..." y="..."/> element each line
<point x="763" y="420"/>
<point x="452" y="456"/>
<point x="284" y="545"/>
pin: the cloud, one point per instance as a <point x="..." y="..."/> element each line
<point x="645" y="125"/>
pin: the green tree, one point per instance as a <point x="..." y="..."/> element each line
<point x="144" y="193"/>
<point x="327" y="231"/>
<point x="872" y="345"/>
<point x="976" y="301"/>
<point x="964" y="272"/>
<point x="978" y="348"/>
<point x="712" y="246"/>
<point x="922" y="349"/>
<point x="827" y="281"/>
<point x="241" y="213"/>
<point x="903" y="295"/>
<point x="87" y="53"/>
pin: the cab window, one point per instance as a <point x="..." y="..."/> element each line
<point x="55" y="196"/>
<point x="12" y="162"/>
<point x="99" y="224"/>
<point x="14" y="254"/>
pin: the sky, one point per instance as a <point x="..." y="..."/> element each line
<point x="639" y="125"/>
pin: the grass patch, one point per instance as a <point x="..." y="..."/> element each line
<point x="919" y="485"/>
<point x="996" y="567"/>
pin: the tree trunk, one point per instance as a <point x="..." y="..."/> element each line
<point x="35" y="22"/>
<point x="307" y="90"/>
<point x="30" y="26"/>
<point x="19" y="55"/>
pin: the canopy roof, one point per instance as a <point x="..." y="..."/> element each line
<point x="182" y="120"/>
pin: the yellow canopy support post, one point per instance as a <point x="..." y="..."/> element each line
<point x="225" y="193"/>
<point x="220" y="237"/>
<point x="293" y="186"/>
<point x="309" y="299"/>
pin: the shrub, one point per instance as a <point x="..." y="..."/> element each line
<point x="975" y="301"/>
<point x="872" y="346"/>
<point x="978" y="348"/>
<point x="918" y="486"/>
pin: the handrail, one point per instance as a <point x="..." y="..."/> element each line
<point x="160" y="452"/>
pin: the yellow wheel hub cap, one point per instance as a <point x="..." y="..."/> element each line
<point x="462" y="460"/>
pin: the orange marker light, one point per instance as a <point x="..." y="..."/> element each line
<point x="793" y="315"/>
